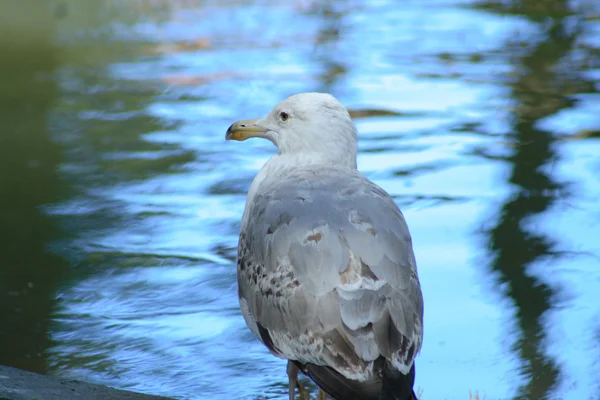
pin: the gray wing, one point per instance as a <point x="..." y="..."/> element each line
<point x="327" y="273"/>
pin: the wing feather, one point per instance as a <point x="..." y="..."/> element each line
<point x="326" y="267"/>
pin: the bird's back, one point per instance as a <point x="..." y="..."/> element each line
<point x="328" y="278"/>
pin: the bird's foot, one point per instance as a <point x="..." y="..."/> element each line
<point x="302" y="391"/>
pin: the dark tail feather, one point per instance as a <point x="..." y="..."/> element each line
<point x="397" y="386"/>
<point x="391" y="386"/>
<point x="339" y="387"/>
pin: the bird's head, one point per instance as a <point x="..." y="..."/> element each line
<point x="305" y="123"/>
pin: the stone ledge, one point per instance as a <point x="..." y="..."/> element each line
<point x="16" y="384"/>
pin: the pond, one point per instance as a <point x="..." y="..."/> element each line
<point x="120" y="201"/>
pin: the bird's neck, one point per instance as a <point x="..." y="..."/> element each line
<point x="281" y="162"/>
<point x="303" y="159"/>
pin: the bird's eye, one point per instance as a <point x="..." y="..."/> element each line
<point x="284" y="116"/>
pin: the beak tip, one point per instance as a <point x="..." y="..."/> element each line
<point x="244" y="129"/>
<point x="229" y="132"/>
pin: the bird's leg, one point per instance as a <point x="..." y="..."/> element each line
<point x="292" y="372"/>
<point x="322" y="395"/>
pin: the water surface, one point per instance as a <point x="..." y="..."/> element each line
<point x="123" y="200"/>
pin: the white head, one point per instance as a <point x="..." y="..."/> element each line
<point x="311" y="124"/>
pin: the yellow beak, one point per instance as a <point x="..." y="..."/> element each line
<point x="244" y="129"/>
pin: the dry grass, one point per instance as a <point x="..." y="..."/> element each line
<point x="475" y="397"/>
<point x="472" y="396"/>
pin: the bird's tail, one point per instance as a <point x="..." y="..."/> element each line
<point x="392" y="385"/>
<point x="397" y="386"/>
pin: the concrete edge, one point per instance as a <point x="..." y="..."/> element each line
<point x="16" y="384"/>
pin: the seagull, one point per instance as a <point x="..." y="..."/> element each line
<point x="327" y="277"/>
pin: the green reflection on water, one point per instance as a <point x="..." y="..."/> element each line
<point x="29" y="273"/>
<point x="39" y="136"/>
<point x="546" y="75"/>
